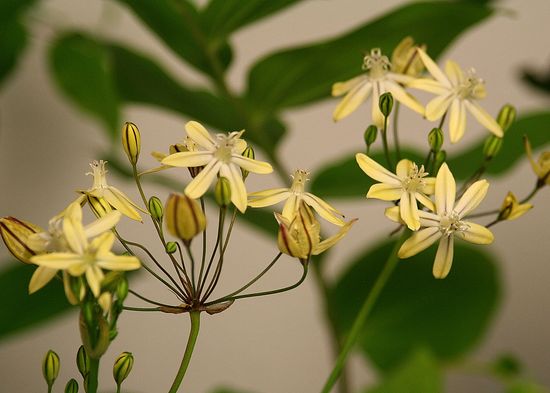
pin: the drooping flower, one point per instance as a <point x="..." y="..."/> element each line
<point x="294" y="195"/>
<point x="377" y="80"/>
<point x="83" y="257"/>
<point x="448" y="222"/>
<point x="540" y="167"/>
<point x="511" y="209"/>
<point x="405" y="59"/>
<point x="457" y="93"/>
<point x="223" y="156"/>
<point x="408" y="185"/>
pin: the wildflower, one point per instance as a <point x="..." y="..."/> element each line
<point x="15" y="234"/>
<point x="512" y="209"/>
<point x="223" y="156"/>
<point x="540" y="167"/>
<point x="188" y="144"/>
<point x="447" y="222"/>
<point x="184" y="217"/>
<point x="456" y="91"/>
<point x="408" y="185"/>
<point x="377" y="80"/>
<point x="294" y="195"/>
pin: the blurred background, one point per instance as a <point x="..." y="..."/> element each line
<point x="279" y="343"/>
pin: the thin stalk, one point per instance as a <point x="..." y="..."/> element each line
<point x="192" y="259"/>
<point x="92" y="376"/>
<point x="396" y="132"/>
<point x="193" y="334"/>
<point x="144" y="309"/>
<point x="221" y="220"/>
<point x="203" y="257"/>
<point x="385" y="143"/>
<point x="440" y="126"/>
<point x="145" y="299"/>
<point x="361" y="318"/>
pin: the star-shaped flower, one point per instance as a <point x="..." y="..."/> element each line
<point x="223" y="156"/>
<point x="448" y="222"/>
<point x="456" y="91"/>
<point x="408" y="185"/>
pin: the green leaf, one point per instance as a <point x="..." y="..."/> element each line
<point x="415" y="310"/>
<point x="306" y="74"/>
<point x="525" y="386"/>
<point x="80" y="66"/>
<point x="18" y="309"/>
<point x="419" y="373"/>
<point x="177" y="23"/>
<point x="13" y="39"/>
<point x="222" y="17"/>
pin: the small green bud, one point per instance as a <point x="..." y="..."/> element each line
<point x="440" y="158"/>
<point x="122" y="367"/>
<point x="82" y="361"/>
<point x="370" y="135"/>
<point x="248" y="153"/>
<point x="435" y="139"/>
<point x="171" y="247"/>
<point x="222" y="192"/>
<point x="50" y="367"/>
<point x="122" y="289"/>
<point x="131" y="142"/>
<point x="386" y="104"/>
<point x="72" y="386"/>
<point x="88" y="313"/>
<point x="155" y="208"/>
<point x="492" y="146"/>
<point x="506" y="117"/>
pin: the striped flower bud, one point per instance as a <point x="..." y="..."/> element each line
<point x="248" y="153"/>
<point x="370" y="135"/>
<point x="50" y="367"/>
<point x="222" y="192"/>
<point x="122" y="289"/>
<point x="492" y="146"/>
<point x="15" y="234"/>
<point x="171" y="247"/>
<point x="435" y="139"/>
<point x="298" y="237"/>
<point x="155" y="208"/>
<point x="99" y="206"/>
<point x="131" y="142"/>
<point x="386" y="104"/>
<point x="506" y="117"/>
<point x="82" y="361"/>
<point x="122" y="367"/>
<point x="184" y="217"/>
<point x="72" y="386"/>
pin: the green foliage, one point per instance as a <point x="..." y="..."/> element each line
<point x="80" y="65"/>
<point x="415" y="310"/>
<point x="525" y="386"/>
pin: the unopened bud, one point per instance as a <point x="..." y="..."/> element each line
<point x="506" y="117"/>
<point x="50" y="367"/>
<point x="370" y="135"/>
<point x="155" y="208"/>
<point x="82" y="361"/>
<point x="122" y="289"/>
<point x="15" y="234"/>
<point x="131" y="142"/>
<point x="122" y="367"/>
<point x="440" y="158"/>
<point x="511" y="208"/>
<point x="248" y="153"/>
<point x="222" y="192"/>
<point x="104" y="300"/>
<point x="171" y="247"/>
<point x="72" y="386"/>
<point x="386" y="104"/>
<point x="435" y="139"/>
<point x="99" y="206"/>
<point x="184" y="217"/>
<point x="492" y="146"/>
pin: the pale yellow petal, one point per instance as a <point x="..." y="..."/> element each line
<point x="188" y="159"/>
<point x="267" y="197"/>
<point x="199" y="185"/>
<point x="375" y="170"/>
<point x="105" y="223"/>
<point x="472" y="198"/>
<point x="385" y="192"/>
<point x="429" y="85"/>
<point x="403" y="168"/>
<point x="429" y="186"/>
<point x="340" y="88"/>
<point x="122" y="203"/>
<point x="102" y="244"/>
<point x="428" y="219"/>
<point x="433" y="68"/>
<point x="200" y="135"/>
<point x="455" y="74"/>
<point x="331" y="241"/>
<point x="519" y="210"/>
<point x="57" y="260"/>
<point x="251" y="165"/>
<point x="443" y="257"/>
<point x="485" y="119"/>
<point x="437" y="107"/>
<point x="236" y="183"/>
<point x="445" y="191"/>
<point x="323" y="209"/>
<point x="476" y="233"/>
<point x="457" y="120"/>
<point x="352" y="100"/>
<point x="74" y="235"/>
<point x="94" y="276"/>
<point x="423" y="199"/>
<point x="409" y="211"/>
<point x="291" y="206"/>
<point x="154" y="170"/>
<point x="403" y="97"/>
<point x="41" y="276"/>
<point x="393" y="214"/>
<point x="119" y="262"/>
<point x="419" y="241"/>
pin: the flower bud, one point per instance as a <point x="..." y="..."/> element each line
<point x="506" y="117"/>
<point x="104" y="300"/>
<point x="122" y="367"/>
<point x="435" y="139"/>
<point x="72" y="386"/>
<point x="386" y="104"/>
<point x="50" y="367"/>
<point x="298" y="237"/>
<point x="155" y="208"/>
<point x="122" y="289"/>
<point x="15" y="234"/>
<point x="492" y="146"/>
<point x="99" y="206"/>
<point x="405" y="59"/>
<point x="131" y="142"/>
<point x="171" y="247"/>
<point x="82" y="361"/>
<point x="248" y="153"/>
<point x="370" y="135"/>
<point x="222" y="192"/>
<point x="184" y="217"/>
<point x="512" y="209"/>
<point x="439" y="159"/>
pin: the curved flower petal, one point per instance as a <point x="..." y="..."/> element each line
<point x="433" y="68"/>
<point x="74" y="234"/>
<point x="41" y="276"/>
<point x="198" y="186"/>
<point x="485" y="119"/>
<point x="119" y="262"/>
<point x="188" y="159"/>
<point x="457" y="121"/>
<point x="323" y="209"/>
<point x="102" y="224"/>
<point x="198" y="133"/>
<point x="429" y="186"/>
<point x="419" y="241"/>
<point x="454" y="72"/>
<point x="57" y="260"/>
<point x="443" y="257"/>
<point x="437" y="107"/>
<point x="122" y="203"/>
<point x="472" y="198"/>
<point x="403" y="97"/>
<point x="352" y="100"/>
<point x="238" y="190"/>
<point x="403" y="168"/>
<point x="428" y="219"/>
<point x="331" y="241"/>
<point x="476" y="234"/>
<point x="341" y="88"/>
<point x="429" y="85"/>
<point x="94" y="276"/>
<point x="385" y="192"/>
<point x="267" y="197"/>
<point x="445" y="190"/>
<point x="251" y="165"/>
<point x="375" y="170"/>
<point x="409" y="211"/>
<point x="393" y="214"/>
<point x="291" y="206"/>
<point x="423" y="199"/>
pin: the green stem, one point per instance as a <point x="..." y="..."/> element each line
<point x="92" y="376"/>
<point x="385" y="143"/>
<point x="361" y="318"/>
<point x="118" y="388"/>
<point x="396" y="132"/>
<point x="193" y="334"/>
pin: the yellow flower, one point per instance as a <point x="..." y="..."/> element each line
<point x="294" y="195"/>
<point x="405" y="59"/>
<point x="448" y="222"/>
<point x="377" y="80"/>
<point x="115" y="197"/>
<point x="223" y="156"/>
<point x="408" y="185"/>
<point x="456" y="91"/>
<point x="187" y="145"/>
<point x="15" y="234"/>
<point x="82" y="256"/>
<point x="512" y="209"/>
<point x="540" y="167"/>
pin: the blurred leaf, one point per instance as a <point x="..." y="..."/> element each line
<point x="524" y="386"/>
<point x="12" y="9"/>
<point x="80" y="66"/>
<point x="221" y="17"/>
<point x="419" y="373"/>
<point x="18" y="309"/>
<point x="306" y="74"/>
<point x="177" y="23"/>
<point x="415" y="310"/>
<point x="227" y="390"/>
<point x="507" y="366"/>
<point x="13" y="38"/>
<point x="540" y="81"/>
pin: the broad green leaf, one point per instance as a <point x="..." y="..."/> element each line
<point x="177" y="23"/>
<point x="13" y="39"/>
<point x="12" y="9"/>
<point x="419" y="373"/>
<point x="222" y="17"/>
<point x="415" y="310"/>
<point x="306" y="74"/>
<point x="18" y="309"/>
<point x="80" y="65"/>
